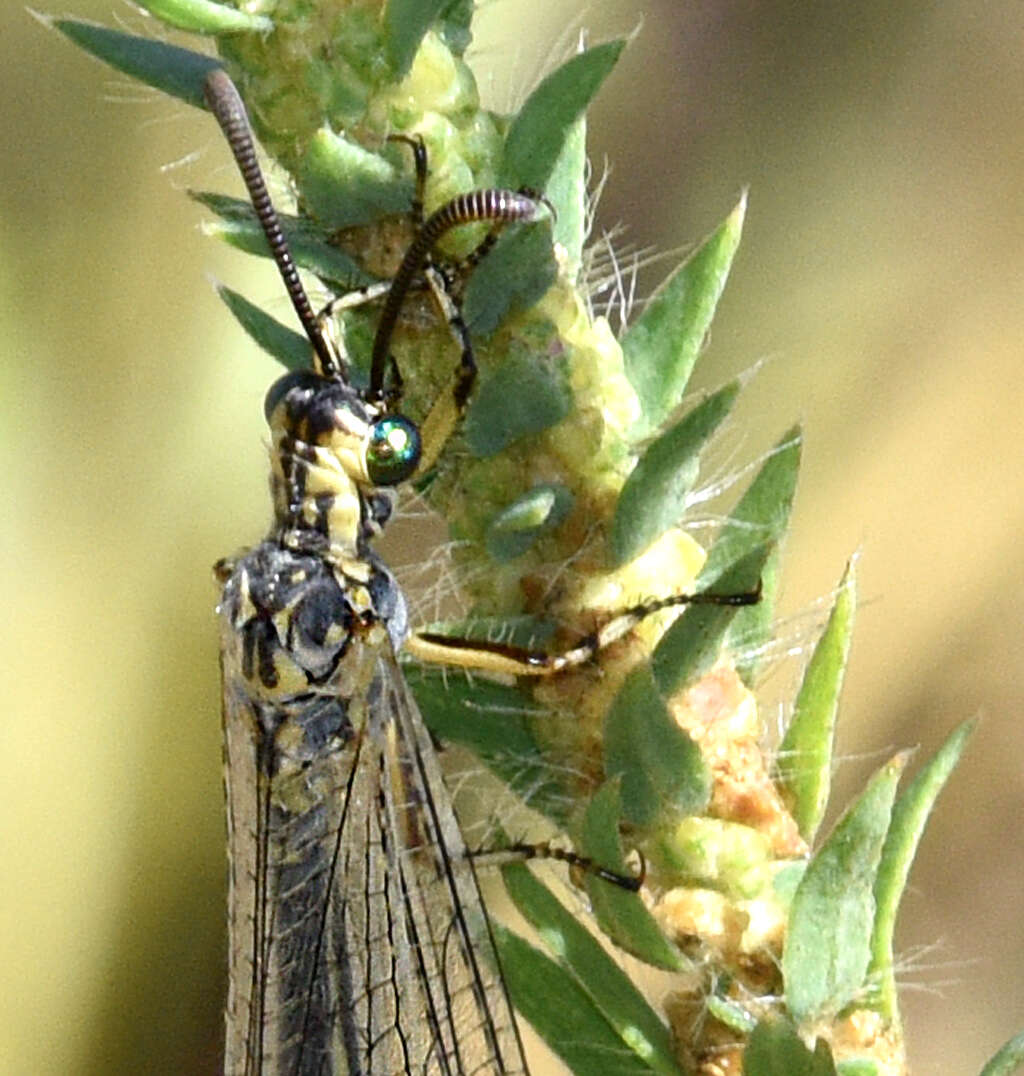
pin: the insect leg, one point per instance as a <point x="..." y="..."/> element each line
<point x="526" y="850"/>
<point x="504" y="659"/>
<point x="444" y="416"/>
<point x="419" y="151"/>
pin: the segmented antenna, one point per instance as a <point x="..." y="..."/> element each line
<point x="226" y="105"/>
<point x="492" y="203"/>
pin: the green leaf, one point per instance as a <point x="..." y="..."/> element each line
<point x="514" y="276"/>
<point x="775" y="1049"/>
<point x="206" y="17"/>
<point x="539" y="131"/>
<point x="454" y="25"/>
<point x="661" y="347"/>
<point x="857" y="1066"/>
<point x="623" y="1008"/>
<point x="828" y="945"/>
<point x="516" y="528"/>
<point x="561" y="1011"/>
<point x="619" y="912"/>
<point x="521" y="397"/>
<point x="405" y="23"/>
<point x="762" y="513"/>
<point x="290" y="348"/>
<point x="909" y="817"/>
<point x="1008" y="1059"/>
<point x="493" y="721"/>
<point x="653" y="498"/>
<point x="242" y="230"/>
<point x="345" y="185"/>
<point x="566" y="190"/>
<point x="804" y="760"/>
<point x="787" y="877"/>
<point x="661" y="769"/>
<point x="752" y="627"/>
<point x="175" y="71"/>
<point x="692" y="644"/>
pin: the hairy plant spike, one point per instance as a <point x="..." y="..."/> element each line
<point x="565" y="500"/>
<point x="226" y="105"/>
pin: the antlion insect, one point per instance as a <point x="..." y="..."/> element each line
<point x="358" y="939"/>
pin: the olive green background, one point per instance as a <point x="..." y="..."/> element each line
<point x="881" y="276"/>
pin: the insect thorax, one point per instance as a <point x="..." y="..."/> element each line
<point x="300" y="645"/>
<point x="306" y="613"/>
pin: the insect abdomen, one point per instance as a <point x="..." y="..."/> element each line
<point x="298" y="660"/>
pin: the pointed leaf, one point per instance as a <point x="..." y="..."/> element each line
<point x="539" y="131"/>
<point x="751" y="629"/>
<point x="692" y="644"/>
<point x="514" y="276"/>
<point x="290" y="348"/>
<point x="828" y="946"/>
<point x="909" y="817"/>
<point x="805" y="755"/>
<point x="345" y="185"/>
<point x="206" y="17"/>
<point x="566" y="190"/>
<point x="661" y="347"/>
<point x="520" y="398"/>
<point x="653" y="498"/>
<point x="620" y="913"/>
<point x="405" y="23"/>
<point x="454" y="25"/>
<point x="622" y="1006"/>
<point x="176" y="71"/>
<point x="775" y="1049"/>
<point x="561" y="1012"/>
<point x="762" y="513"/>
<point x="661" y="769"/>
<point x="1008" y="1060"/>
<point x="242" y="230"/>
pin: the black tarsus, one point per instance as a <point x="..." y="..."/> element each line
<point x="591" y="644"/>
<point x="545" y="850"/>
<point x="419" y="152"/>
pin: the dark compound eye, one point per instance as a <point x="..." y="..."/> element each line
<point x="393" y="452"/>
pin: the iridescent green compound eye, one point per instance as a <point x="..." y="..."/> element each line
<point x="393" y="452"/>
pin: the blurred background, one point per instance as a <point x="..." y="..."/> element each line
<point x="881" y="273"/>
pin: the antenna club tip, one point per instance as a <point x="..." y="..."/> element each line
<point x="221" y="94"/>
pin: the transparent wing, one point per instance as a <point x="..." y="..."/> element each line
<point x="359" y="941"/>
<point x="289" y="986"/>
<point x="457" y="984"/>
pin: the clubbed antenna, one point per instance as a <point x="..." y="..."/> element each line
<point x="493" y="204"/>
<point x="225" y="103"/>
